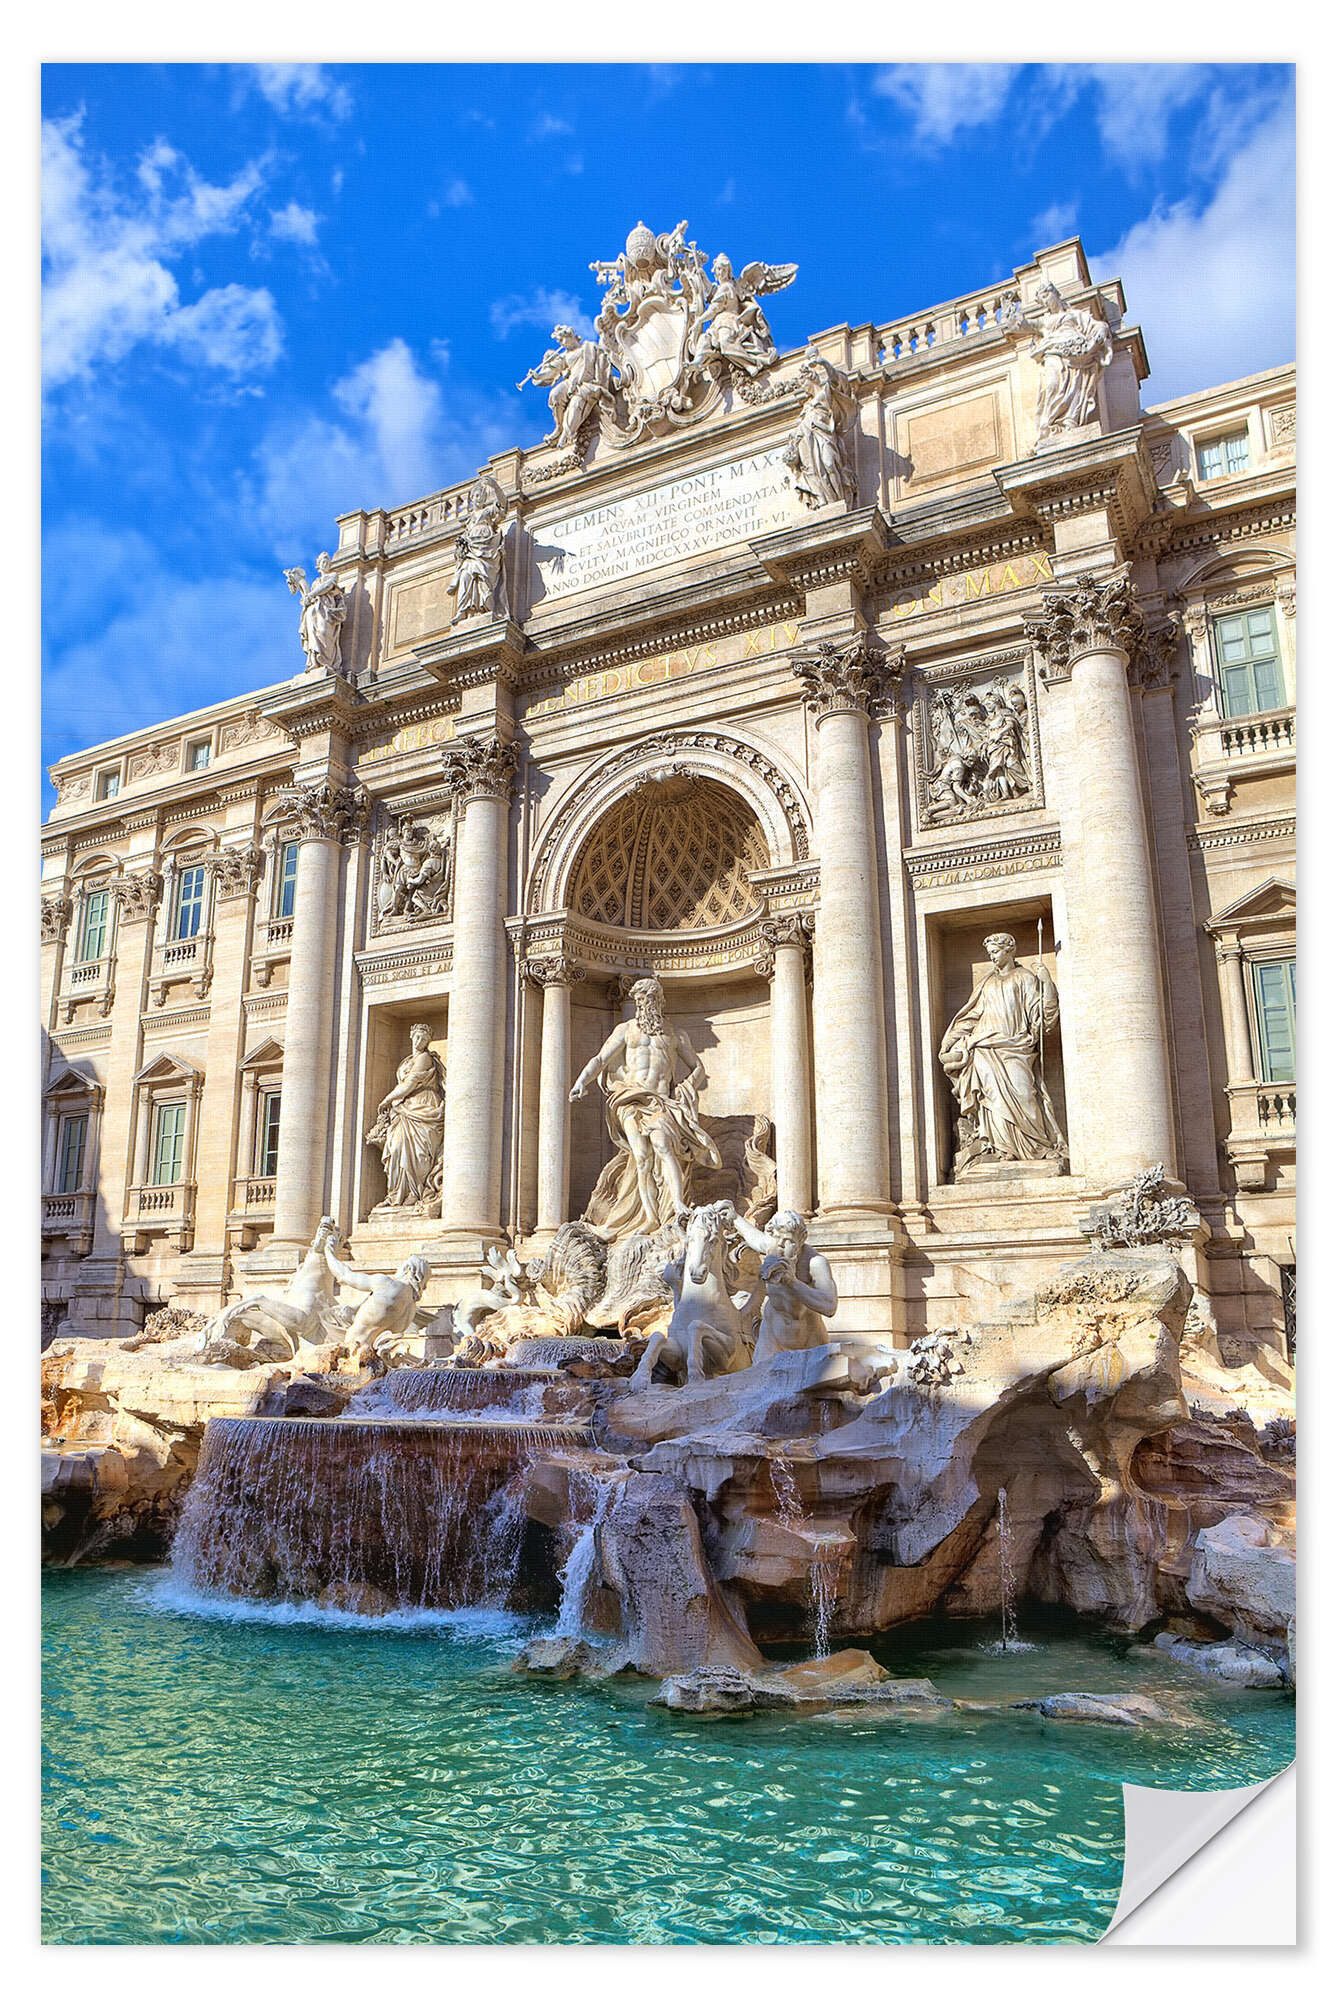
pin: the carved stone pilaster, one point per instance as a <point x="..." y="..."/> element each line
<point x="554" y="971"/>
<point x="790" y="927"/>
<point x="1153" y="664"/>
<point x="1086" y="616"/>
<point x="137" y="895"/>
<point x="480" y="768"/>
<point x="326" y="812"/>
<point x="235" y="871"/>
<point x="839" y="678"/>
<point x="56" y="913"/>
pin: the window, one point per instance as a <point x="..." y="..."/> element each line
<point x="1221" y="456"/>
<point x="96" y="923"/>
<point x="199" y="756"/>
<point x="1249" y="670"/>
<point x="270" y="1115"/>
<point x="1275" y="1011"/>
<point x="108" y="784"/>
<point x="189" y="914"/>
<point x="287" y="878"/>
<point x="168" y="1144"/>
<point x="70" y="1148"/>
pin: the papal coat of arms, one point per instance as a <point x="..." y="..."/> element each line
<point x="670" y="334"/>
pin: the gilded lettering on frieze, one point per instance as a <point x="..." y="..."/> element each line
<point x="732" y="650"/>
<point x="968" y="586"/>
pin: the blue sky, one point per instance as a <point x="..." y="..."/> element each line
<point x="273" y="294"/>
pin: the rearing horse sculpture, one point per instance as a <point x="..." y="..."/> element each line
<point x="710" y="1331"/>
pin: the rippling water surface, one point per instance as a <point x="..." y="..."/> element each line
<point x="229" y="1775"/>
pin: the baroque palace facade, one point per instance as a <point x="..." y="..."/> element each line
<point x="796" y="681"/>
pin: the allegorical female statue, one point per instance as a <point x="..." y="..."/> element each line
<point x="992" y="1054"/>
<point x="819" y="451"/>
<point x="479" y="572"/>
<point x="409" y="1128"/>
<point x="1073" y="349"/>
<point x="323" y="611"/>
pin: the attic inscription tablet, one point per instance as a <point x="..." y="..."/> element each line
<point x="685" y="517"/>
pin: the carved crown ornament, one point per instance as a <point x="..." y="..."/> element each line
<point x="671" y="333"/>
<point x="480" y="768"/>
<point x="791" y="927"/>
<point x="557" y="970"/>
<point x="847" y="677"/>
<point x="323" y="811"/>
<point x="1086" y="616"/>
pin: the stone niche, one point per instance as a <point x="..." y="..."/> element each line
<point x="957" y="961"/>
<point x="727" y="1022"/>
<point x="388" y="1041"/>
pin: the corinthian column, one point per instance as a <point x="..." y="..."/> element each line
<point x="1087" y="632"/>
<point x="481" y="774"/>
<point x="841" y="685"/>
<point x="787" y="938"/>
<point x="555" y="976"/>
<point x="324" y="817"/>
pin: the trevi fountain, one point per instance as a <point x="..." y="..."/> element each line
<point x="660" y="1559"/>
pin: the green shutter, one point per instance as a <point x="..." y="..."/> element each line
<point x="1275" y="1006"/>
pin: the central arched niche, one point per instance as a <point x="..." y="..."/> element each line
<point x="674" y="853"/>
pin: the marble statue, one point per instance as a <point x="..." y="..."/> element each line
<point x="667" y="331"/>
<point x="1072" y="348"/>
<point x="307" y="1315"/>
<point x="799" y="1290"/>
<point x="479" y="582"/>
<point x="414" y="876"/>
<point x="820" y="451"/>
<point x="323" y="612"/>
<point x="389" y="1309"/>
<point x="651" y="1078"/>
<point x="578" y="374"/>
<point x="992" y="1052"/>
<point x="409" y="1128"/>
<point x="711" y="1331"/>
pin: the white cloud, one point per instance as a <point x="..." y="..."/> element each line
<point x="294" y="224"/>
<point x="541" y="308"/>
<point x="1134" y="106"/>
<point x="550" y="127"/>
<point x="392" y="438"/>
<point x="1214" y="284"/>
<point x="1053" y="224"/>
<point x="944" y="98"/>
<point x="107" y="287"/>
<point x="455" y="194"/>
<point x="302" y="90"/>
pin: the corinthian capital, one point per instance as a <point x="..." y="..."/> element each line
<point x="327" y="812"/>
<point x="56" y="913"/>
<point x="480" y="768"/>
<point x="557" y="971"/>
<point x="137" y="895"/>
<point x="1086" y="616"/>
<point x="840" y="678"/>
<point x="1154" y="658"/>
<point x="235" y="870"/>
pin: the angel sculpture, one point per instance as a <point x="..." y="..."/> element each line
<point x="734" y="328"/>
<point x="578" y="374"/>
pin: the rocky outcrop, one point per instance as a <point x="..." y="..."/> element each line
<point x="673" y="1615"/>
<point x="1244" y="1575"/>
<point x="1224" y="1660"/>
<point x="1121" y="1711"/>
<point x="838" y="1680"/>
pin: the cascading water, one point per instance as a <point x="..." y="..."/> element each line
<point x="360" y="1514"/>
<point x="1008" y="1578"/>
<point x="827" y="1554"/>
<point x="594" y="1497"/>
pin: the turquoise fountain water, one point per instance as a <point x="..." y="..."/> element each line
<point x="221" y="1772"/>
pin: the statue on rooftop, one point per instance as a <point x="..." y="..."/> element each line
<point x="577" y="371"/>
<point x="479" y="581"/>
<point x="1072" y="349"/>
<point x="820" y="452"/>
<point x="323" y="613"/>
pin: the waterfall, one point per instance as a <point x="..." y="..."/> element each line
<point x="364" y="1515"/>
<point x="1008" y="1580"/>
<point x="826" y="1554"/>
<point x="577" y="1574"/>
<point x="436" y="1392"/>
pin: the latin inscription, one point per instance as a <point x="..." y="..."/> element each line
<point x="757" y="645"/>
<point x="1019" y="573"/>
<point x="706" y="510"/>
<point x="413" y="736"/>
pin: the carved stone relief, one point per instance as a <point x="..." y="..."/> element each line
<point x="413" y="874"/>
<point x="56" y="913"/>
<point x="975" y="737"/>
